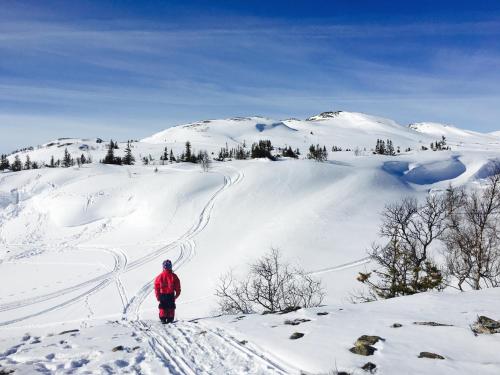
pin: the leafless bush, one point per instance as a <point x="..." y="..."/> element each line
<point x="205" y="161"/>
<point x="271" y="285"/>
<point x="231" y="295"/>
<point x="473" y="237"/>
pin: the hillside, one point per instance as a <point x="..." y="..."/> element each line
<point x="89" y="240"/>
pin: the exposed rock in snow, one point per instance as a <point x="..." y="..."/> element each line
<point x="486" y="325"/>
<point x="430" y="355"/>
<point x="324" y="115"/>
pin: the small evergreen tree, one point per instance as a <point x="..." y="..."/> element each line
<point x="317" y="153"/>
<point x="390" y="148"/>
<point x="4" y="163"/>
<point x="262" y="149"/>
<point x="110" y="155"/>
<point x="128" y="159"/>
<point x="171" y="156"/>
<point x="289" y="153"/>
<point x="17" y="165"/>
<point x="187" y="153"/>
<point x="27" y="163"/>
<point x="164" y="157"/>
<point x="52" y="162"/>
<point x="67" y="159"/>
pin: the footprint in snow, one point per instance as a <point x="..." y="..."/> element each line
<point x="121" y="363"/>
<point x="77" y="363"/>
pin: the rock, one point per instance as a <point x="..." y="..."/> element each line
<point x="290" y="309"/>
<point x="69" y="331"/>
<point x="5" y="371"/>
<point x="485" y="325"/>
<point x="296" y="335"/>
<point x="369" y="367"/>
<point x="363" y="345"/>
<point x="296" y="322"/>
<point x="368" y="340"/>
<point x="365" y="350"/>
<point x="396" y="325"/>
<point x="321" y="313"/>
<point x="118" y="348"/>
<point x="432" y="324"/>
<point x="243" y="342"/>
<point x="430" y="355"/>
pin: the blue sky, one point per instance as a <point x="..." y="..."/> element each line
<point x="126" y="69"/>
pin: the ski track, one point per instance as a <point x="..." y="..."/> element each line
<point x="121" y="266"/>
<point x="341" y="267"/>
<point x="120" y="261"/>
<point x="206" y="351"/>
<point x="184" y="347"/>
<point x="176" y="350"/>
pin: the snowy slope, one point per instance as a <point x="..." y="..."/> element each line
<point x="88" y="242"/>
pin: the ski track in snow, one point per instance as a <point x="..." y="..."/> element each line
<point x="341" y="267"/>
<point x="184" y="347"/>
<point x="174" y="345"/>
<point x="121" y="265"/>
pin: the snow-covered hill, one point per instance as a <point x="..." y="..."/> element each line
<point x="348" y="130"/>
<point x="80" y="246"/>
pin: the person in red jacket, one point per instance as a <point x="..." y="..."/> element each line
<point x="167" y="290"/>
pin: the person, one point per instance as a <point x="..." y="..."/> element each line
<point x="167" y="290"/>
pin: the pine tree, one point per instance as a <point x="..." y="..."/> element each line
<point x="67" y="160"/>
<point x="164" y="157"/>
<point x="188" y="156"/>
<point x="17" y="165"/>
<point x="262" y="149"/>
<point x="390" y="148"/>
<point x="52" y="162"/>
<point x="110" y="155"/>
<point x="27" y="163"/>
<point x="171" y="157"/>
<point x="318" y="153"/>
<point x="289" y="153"/>
<point x="128" y="159"/>
<point x="83" y="159"/>
<point x="4" y="163"/>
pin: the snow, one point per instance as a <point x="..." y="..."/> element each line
<point x="328" y="337"/>
<point x="79" y="248"/>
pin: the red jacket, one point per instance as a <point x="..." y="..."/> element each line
<point x="167" y="282"/>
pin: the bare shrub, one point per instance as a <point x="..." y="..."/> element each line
<point x="473" y="237"/>
<point x="204" y="160"/>
<point x="272" y="285"/>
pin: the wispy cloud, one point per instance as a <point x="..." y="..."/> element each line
<point x="94" y="74"/>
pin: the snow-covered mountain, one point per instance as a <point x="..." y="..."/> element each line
<point x="80" y="246"/>
<point x="348" y="130"/>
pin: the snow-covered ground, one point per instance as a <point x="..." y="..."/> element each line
<point x="79" y="248"/>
